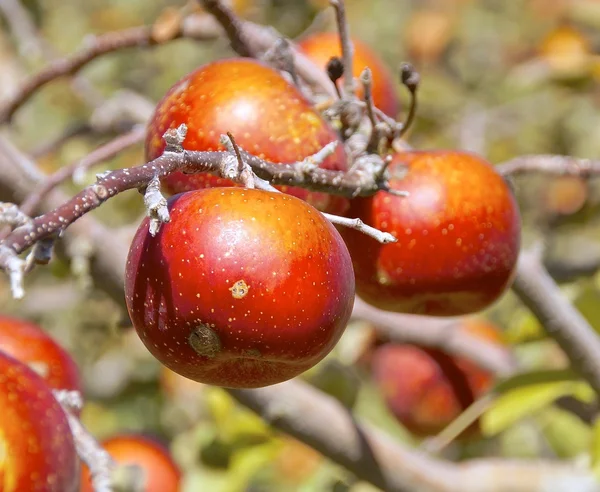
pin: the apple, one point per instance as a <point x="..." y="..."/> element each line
<point x="37" y="451"/>
<point x="458" y="236"/>
<point x="31" y="345"/>
<point x="159" y="473"/>
<point x="268" y="116"/>
<point x="426" y="389"/>
<point x="242" y="288"/>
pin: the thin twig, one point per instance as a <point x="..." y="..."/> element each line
<point x="93" y="48"/>
<point x="561" y="165"/>
<point x="281" y="56"/>
<point x="359" y="225"/>
<point x="56" y="143"/>
<point x="101" y="154"/>
<point x="98" y="461"/>
<point x="346" y="46"/>
<point x="33" y="45"/>
<point x="232" y="25"/>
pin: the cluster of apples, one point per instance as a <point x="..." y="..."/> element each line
<point x="246" y="288"/>
<point x="37" y="449"/>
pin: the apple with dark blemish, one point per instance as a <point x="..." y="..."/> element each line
<point x="31" y="345"/>
<point x="268" y="116"/>
<point x="242" y="288"/>
<point x="458" y="236"/>
<point x="37" y="451"/>
<point x="157" y="472"/>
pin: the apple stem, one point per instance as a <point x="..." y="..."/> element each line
<point x="410" y="79"/>
<point x="335" y="71"/>
<point x="366" y="79"/>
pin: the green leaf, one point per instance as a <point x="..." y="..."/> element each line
<point x="525" y="395"/>
<point x="247" y="462"/>
<point x="568" y="435"/>
<point x="535" y="378"/>
<point x="595" y="449"/>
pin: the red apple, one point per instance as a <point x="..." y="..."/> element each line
<point x="242" y="288"/>
<point x="320" y="48"/>
<point x="268" y="117"/>
<point x="159" y="472"/>
<point x="28" y="343"/>
<point x="426" y="389"/>
<point x="458" y="236"/>
<point x="37" y="451"/>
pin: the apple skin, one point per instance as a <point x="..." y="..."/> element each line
<point x="426" y="389"/>
<point x="28" y="343"/>
<point x="458" y="236"/>
<point x="37" y="451"/>
<point x="321" y="47"/>
<point x="160" y="472"/>
<point x="267" y="116"/>
<point x="242" y="288"/>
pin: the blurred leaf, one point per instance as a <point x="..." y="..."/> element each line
<point x="247" y="462"/>
<point x="204" y="479"/>
<point x="595" y="449"/>
<point x="565" y="432"/>
<point x="235" y="425"/>
<point x="526" y="394"/>
<point x="336" y="379"/>
<point x="536" y="377"/>
<point x="523" y="327"/>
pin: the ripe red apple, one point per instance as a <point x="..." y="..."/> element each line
<point x="458" y="236"/>
<point x="267" y="115"/>
<point x="159" y="472"/>
<point x="37" y="451"/>
<point x="28" y="343"/>
<point x="242" y="288"/>
<point x="320" y="48"/>
<point x="426" y="389"/>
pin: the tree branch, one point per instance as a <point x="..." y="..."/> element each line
<point x="436" y="333"/>
<point x="559" y="317"/>
<point x="324" y="424"/>
<point x="304" y="173"/>
<point x="101" y="154"/>
<point x="562" y="165"/>
<point x="320" y="422"/>
<point x="142" y="36"/>
<point x="257" y="40"/>
<point x="232" y="25"/>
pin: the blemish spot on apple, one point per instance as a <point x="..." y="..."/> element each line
<point x="252" y="352"/>
<point x="204" y="341"/>
<point x="239" y="289"/>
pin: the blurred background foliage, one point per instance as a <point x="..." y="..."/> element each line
<point x="501" y="78"/>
